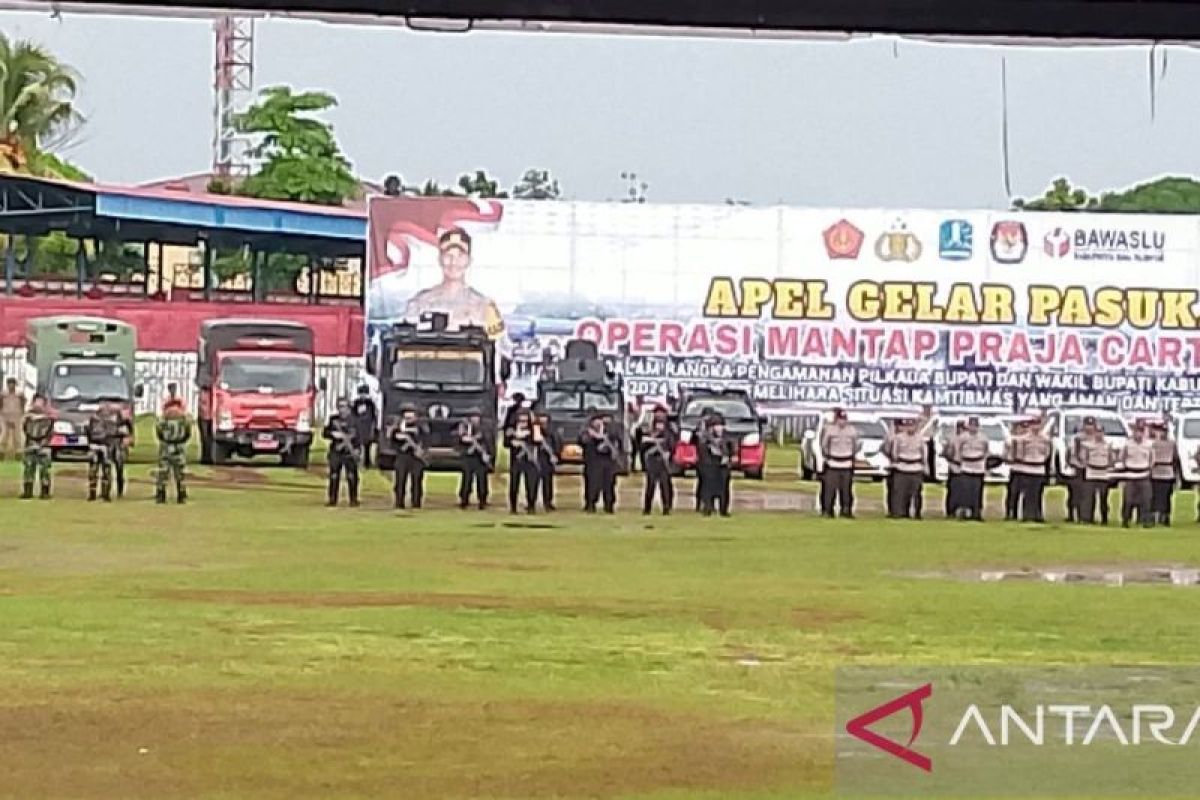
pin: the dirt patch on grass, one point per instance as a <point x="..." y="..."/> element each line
<point x="485" y="602"/>
<point x="290" y="744"/>
<point x="505" y="566"/>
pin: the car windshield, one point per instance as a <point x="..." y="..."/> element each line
<point x="266" y="374"/>
<point x="731" y="409"/>
<point x="89" y="382"/>
<point x="992" y="431"/>
<point x="1109" y="425"/>
<point x="870" y="429"/>
<point x="1191" y="428"/>
<point x="587" y="399"/>
<point x="443" y="367"/>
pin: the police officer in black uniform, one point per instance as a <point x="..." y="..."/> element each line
<point x="715" y="454"/>
<point x="549" y="447"/>
<point x="657" y="443"/>
<point x="410" y="439"/>
<point x="600" y="453"/>
<point x="522" y="460"/>
<point x="345" y="447"/>
<point x="366" y="422"/>
<point x="477" y="449"/>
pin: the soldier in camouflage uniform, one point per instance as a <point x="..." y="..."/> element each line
<point x="173" y="431"/>
<point x="105" y="433"/>
<point x="38" y="427"/>
<point x="120" y="452"/>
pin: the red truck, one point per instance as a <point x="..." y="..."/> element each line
<point x="256" y="390"/>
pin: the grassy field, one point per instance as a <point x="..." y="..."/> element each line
<point x="255" y="644"/>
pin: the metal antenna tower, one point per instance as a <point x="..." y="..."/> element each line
<point x="233" y="86"/>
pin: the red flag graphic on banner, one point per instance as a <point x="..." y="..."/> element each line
<point x="397" y="225"/>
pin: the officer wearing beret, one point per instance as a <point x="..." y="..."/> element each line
<point x="452" y="296"/>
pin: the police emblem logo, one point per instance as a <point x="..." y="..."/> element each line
<point x="843" y="240"/>
<point x="439" y="411"/>
<point x="956" y="240"/>
<point x="898" y="244"/>
<point x="1010" y="242"/>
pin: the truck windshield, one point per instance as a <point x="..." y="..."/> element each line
<point x="447" y="368"/>
<point x="266" y="374"/>
<point x="580" y="400"/>
<point x="89" y="382"/>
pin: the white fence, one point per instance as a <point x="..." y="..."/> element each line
<point x="155" y="371"/>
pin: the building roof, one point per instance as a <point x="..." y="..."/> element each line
<point x="197" y="183"/>
<point x="35" y="206"/>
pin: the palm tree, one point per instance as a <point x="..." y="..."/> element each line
<point x="37" y="102"/>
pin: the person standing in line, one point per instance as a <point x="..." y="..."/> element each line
<point x="477" y="449"/>
<point x="366" y="422"/>
<point x="715" y="453"/>
<point x="120" y="451"/>
<point x="908" y="454"/>
<point x="1164" y="474"/>
<point x="839" y="446"/>
<point x="1136" y="461"/>
<point x="1077" y="483"/>
<point x="173" y="431"/>
<point x="697" y="435"/>
<point x="410" y="440"/>
<point x="104" y="432"/>
<point x="953" y="470"/>
<point x="657" y="444"/>
<point x="549" y="447"/>
<point x="345" y="449"/>
<point x="1097" y="464"/>
<point x="1034" y="466"/>
<point x="522" y="461"/>
<point x="12" y="414"/>
<point x="1014" y="455"/>
<point x="971" y="450"/>
<point x="38" y="428"/>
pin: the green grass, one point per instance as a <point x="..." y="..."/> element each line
<point x="256" y="644"/>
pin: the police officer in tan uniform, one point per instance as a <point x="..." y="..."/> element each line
<point x="1136" y="459"/>
<point x="1031" y="461"/>
<point x="970" y="450"/>
<point x="1097" y="457"/>
<point x="839" y="445"/>
<point x="1163" y="474"/>
<point x="908" y="453"/>
<point x="453" y="297"/>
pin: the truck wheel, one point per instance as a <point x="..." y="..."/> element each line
<point x="205" y="444"/>
<point x="755" y="474"/>
<point x="218" y="455"/>
<point x="298" y="458"/>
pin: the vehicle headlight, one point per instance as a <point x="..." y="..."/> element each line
<point x="751" y="440"/>
<point x="685" y="437"/>
<point x="64" y="427"/>
<point x="225" y="420"/>
<point x="304" y="421"/>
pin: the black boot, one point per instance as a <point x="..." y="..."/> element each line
<point x="160" y="496"/>
<point x="181" y="496"/>
<point x="91" y="494"/>
<point x="45" y="495"/>
<point x="27" y="490"/>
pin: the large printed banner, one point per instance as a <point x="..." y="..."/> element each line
<point x="811" y="307"/>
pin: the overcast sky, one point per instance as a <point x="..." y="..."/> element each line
<point x="863" y="123"/>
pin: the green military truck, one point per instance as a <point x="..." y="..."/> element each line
<point x="77" y="363"/>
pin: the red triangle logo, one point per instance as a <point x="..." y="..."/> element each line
<point x="859" y="726"/>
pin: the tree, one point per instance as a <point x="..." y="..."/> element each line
<point x="1061" y="196"/>
<point x="480" y="185"/>
<point x="1165" y="195"/>
<point x="37" y="103"/>
<point x="536" y="184"/>
<point x="300" y="157"/>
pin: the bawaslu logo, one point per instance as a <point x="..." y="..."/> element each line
<point x="1117" y="244"/>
